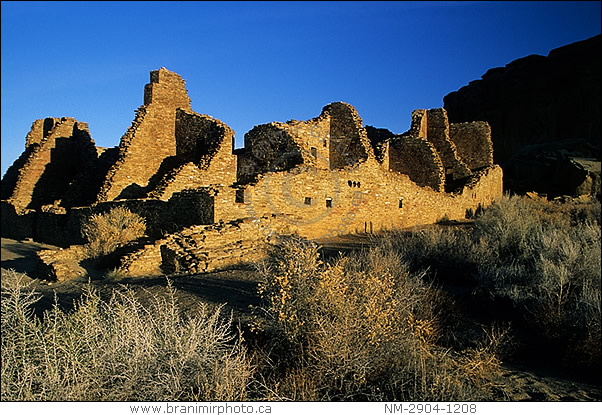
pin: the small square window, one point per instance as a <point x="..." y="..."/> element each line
<point x="328" y="202"/>
<point x="240" y="196"/>
<point x="308" y="200"/>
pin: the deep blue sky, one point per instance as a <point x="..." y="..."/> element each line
<point x="250" y="63"/>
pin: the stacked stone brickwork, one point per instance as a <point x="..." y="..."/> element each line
<point x="438" y="134"/>
<point x="150" y="139"/>
<point x="204" y="155"/>
<point x="473" y="142"/>
<point x="59" y="152"/>
<point x="208" y="206"/>
<point x="416" y="157"/>
<point x="206" y="248"/>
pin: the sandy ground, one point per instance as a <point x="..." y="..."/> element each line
<point x="237" y="288"/>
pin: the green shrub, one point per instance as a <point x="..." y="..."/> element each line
<point x="118" y="350"/>
<point x="108" y="231"/>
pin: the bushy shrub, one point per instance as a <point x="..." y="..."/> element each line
<point x="117" y="350"/>
<point x="106" y="232"/>
<point x="361" y="327"/>
<point x="542" y="257"/>
<point x="545" y="258"/>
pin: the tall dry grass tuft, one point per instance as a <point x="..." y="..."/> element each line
<point x="108" y="231"/>
<point x="118" y="350"/>
<point x="359" y="327"/>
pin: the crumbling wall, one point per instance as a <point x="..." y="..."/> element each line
<point x="268" y="147"/>
<point x="58" y="152"/>
<point x="333" y="140"/>
<point x="473" y="143"/>
<point x="204" y="150"/>
<point x="149" y="140"/>
<point x="316" y="203"/>
<point x="438" y="134"/>
<point x="349" y="143"/>
<point x="379" y="138"/>
<point x="416" y="157"/>
<point x="206" y="248"/>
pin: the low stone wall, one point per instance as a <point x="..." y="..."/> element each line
<point x="62" y="227"/>
<point x="206" y="248"/>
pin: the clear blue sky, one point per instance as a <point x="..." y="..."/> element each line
<point x="250" y="63"/>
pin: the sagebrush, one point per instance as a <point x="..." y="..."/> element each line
<point x="117" y="350"/>
<point x="362" y="327"/>
<point x="105" y="232"/>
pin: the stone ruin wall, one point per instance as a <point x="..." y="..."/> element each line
<point x="349" y="143"/>
<point x="204" y="152"/>
<point x="150" y="138"/>
<point x="416" y="157"/>
<point x="63" y="227"/>
<point x="438" y="134"/>
<point x="473" y="142"/>
<point x="59" y="153"/>
<point x="316" y="178"/>
<point x="366" y="199"/>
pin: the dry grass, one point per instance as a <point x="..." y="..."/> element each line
<point x="542" y="257"/>
<point x="118" y="350"/>
<point x="106" y="232"/>
<point x="361" y="328"/>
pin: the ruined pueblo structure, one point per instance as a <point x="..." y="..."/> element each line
<point x="208" y="205"/>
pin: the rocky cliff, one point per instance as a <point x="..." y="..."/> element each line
<point x="534" y="105"/>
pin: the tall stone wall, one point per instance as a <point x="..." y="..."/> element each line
<point x="349" y="143"/>
<point x="438" y="134"/>
<point x="473" y="142"/>
<point x="59" y="151"/>
<point x="416" y="157"/>
<point x="150" y="139"/>
<point x="204" y="156"/>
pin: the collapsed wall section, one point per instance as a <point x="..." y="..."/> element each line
<point x="59" y="152"/>
<point x="438" y="134"/>
<point x="349" y="143"/>
<point x="416" y="157"/>
<point x="268" y="147"/>
<point x="473" y="143"/>
<point x="206" y="248"/>
<point x="149" y="140"/>
<point x="204" y="156"/>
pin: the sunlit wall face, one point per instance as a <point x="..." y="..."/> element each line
<point x="252" y="63"/>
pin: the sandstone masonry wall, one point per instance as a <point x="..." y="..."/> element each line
<point x="59" y="151"/>
<point x="473" y="142"/>
<point x="150" y="139"/>
<point x="438" y="134"/>
<point x="416" y="157"/>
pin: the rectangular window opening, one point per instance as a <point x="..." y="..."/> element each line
<point x="328" y="202"/>
<point x="240" y="196"/>
<point x="308" y="200"/>
<point x="400" y="203"/>
<point x="314" y="152"/>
